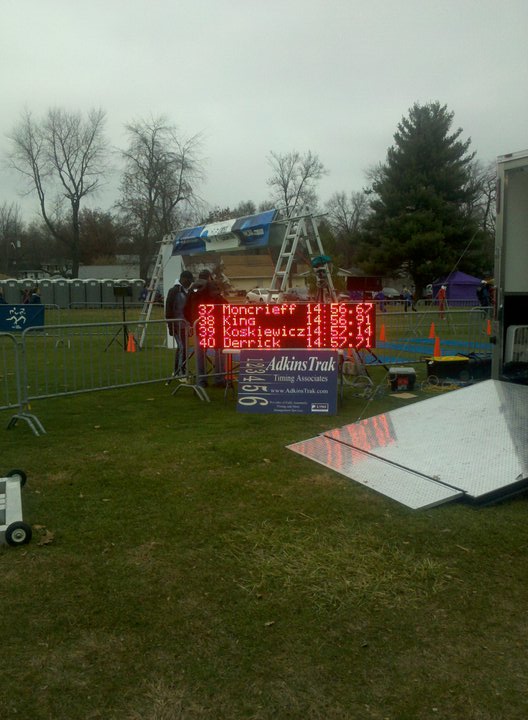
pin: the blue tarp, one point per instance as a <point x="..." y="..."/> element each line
<point x="254" y="230"/>
<point x="251" y="231"/>
<point x="188" y="241"/>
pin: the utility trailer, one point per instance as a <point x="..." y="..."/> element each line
<point x="510" y="327"/>
<point x="13" y="530"/>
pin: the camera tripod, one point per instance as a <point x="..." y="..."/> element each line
<point x="124" y="330"/>
<point x="323" y="293"/>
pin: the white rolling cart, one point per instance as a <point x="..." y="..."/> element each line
<point x="13" y="530"/>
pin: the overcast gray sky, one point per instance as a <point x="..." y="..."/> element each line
<point x="331" y="76"/>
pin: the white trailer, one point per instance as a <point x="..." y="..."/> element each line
<point x="510" y="354"/>
<point x="471" y="443"/>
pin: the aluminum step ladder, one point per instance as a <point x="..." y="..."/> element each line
<point x="152" y="290"/>
<point x="302" y="233"/>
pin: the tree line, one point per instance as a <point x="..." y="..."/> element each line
<point x="428" y="208"/>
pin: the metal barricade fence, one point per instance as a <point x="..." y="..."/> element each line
<point x="78" y="358"/>
<point x="10" y="380"/>
<point x="11" y="383"/>
<point x="409" y="337"/>
<point x="67" y="359"/>
<point x="108" y="305"/>
<point x="58" y="360"/>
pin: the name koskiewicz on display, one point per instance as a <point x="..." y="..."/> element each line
<point x="287" y="325"/>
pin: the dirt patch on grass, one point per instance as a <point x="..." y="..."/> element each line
<point x="58" y="478"/>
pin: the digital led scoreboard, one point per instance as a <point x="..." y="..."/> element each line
<point x="287" y="325"/>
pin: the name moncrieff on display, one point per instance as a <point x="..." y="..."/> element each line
<point x="287" y="325"/>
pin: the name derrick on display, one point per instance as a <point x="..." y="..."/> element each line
<point x="287" y="325"/>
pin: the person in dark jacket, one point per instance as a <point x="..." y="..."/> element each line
<point x="205" y="290"/>
<point x="175" y="316"/>
<point x="484" y="297"/>
<point x="34" y="297"/>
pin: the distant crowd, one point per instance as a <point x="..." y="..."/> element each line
<point x="31" y="296"/>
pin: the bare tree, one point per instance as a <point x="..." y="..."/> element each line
<point x="217" y="213"/>
<point x="374" y="174"/>
<point x="480" y="212"/>
<point x="346" y="214"/>
<point x="294" y="180"/>
<point x="159" y="182"/>
<point x="102" y="237"/>
<point x="11" y="229"/>
<point x="40" y="250"/>
<point x="63" y="158"/>
<point x="483" y="178"/>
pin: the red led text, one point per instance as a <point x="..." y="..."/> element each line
<point x="287" y="325"/>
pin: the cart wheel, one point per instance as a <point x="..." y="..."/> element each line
<point x="18" y="473"/>
<point x="18" y="533"/>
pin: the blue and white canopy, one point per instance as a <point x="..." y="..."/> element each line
<point x="251" y="231"/>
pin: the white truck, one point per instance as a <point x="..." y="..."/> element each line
<point x="510" y="327"/>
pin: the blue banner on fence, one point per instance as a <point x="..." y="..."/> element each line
<point x="282" y="381"/>
<point x="15" y="318"/>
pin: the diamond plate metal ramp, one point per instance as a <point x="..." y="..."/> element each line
<point x="472" y="442"/>
<point x="408" y="488"/>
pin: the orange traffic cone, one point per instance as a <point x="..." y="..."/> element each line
<point x="382" y="334"/>
<point x="432" y="332"/>
<point x="437" y="352"/>
<point x="131" y="344"/>
<point x="488" y="327"/>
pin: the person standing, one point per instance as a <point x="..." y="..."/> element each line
<point x="407" y="298"/>
<point x="380" y="297"/>
<point x="484" y="296"/>
<point x="205" y="290"/>
<point x="34" y="297"/>
<point x="441" y="297"/>
<point x="175" y="316"/>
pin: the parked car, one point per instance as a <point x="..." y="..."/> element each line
<point x="391" y="293"/>
<point x="262" y="295"/>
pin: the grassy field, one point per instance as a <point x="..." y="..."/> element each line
<point x="186" y="565"/>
